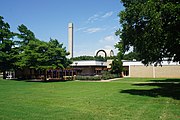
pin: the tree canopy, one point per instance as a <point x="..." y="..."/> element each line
<point x="151" y="27"/>
<point x="131" y="56"/>
<point x="28" y="51"/>
<point x="39" y="54"/>
<point x="6" y="47"/>
<point x="117" y="64"/>
<point x="98" y="58"/>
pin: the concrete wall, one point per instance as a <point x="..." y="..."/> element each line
<point x="109" y="62"/>
<point x="141" y="71"/>
<point x="171" y="71"/>
<point x="167" y="71"/>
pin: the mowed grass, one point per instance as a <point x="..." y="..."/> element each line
<point x="125" y="99"/>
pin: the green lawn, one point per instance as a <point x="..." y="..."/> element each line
<point x="125" y="99"/>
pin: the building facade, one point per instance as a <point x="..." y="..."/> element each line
<point x="130" y="69"/>
<point x="137" y="69"/>
<point x="89" y="67"/>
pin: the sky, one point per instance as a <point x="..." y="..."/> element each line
<point x="95" y="21"/>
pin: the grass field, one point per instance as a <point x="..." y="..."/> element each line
<point x="125" y="99"/>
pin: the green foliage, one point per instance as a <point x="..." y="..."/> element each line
<point x="68" y="78"/>
<point x="98" y="58"/>
<point x="117" y="65"/>
<point x="107" y="75"/>
<point x="43" y="55"/>
<point x="131" y="56"/>
<point x="7" y="52"/>
<point x="151" y="27"/>
<point x="28" y="51"/>
<point x="91" y="78"/>
<point x="38" y="54"/>
<point x="33" y="55"/>
<point x="57" y="54"/>
<point x="83" y="58"/>
<point x="25" y="35"/>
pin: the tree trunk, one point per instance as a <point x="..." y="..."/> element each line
<point x="45" y="75"/>
<point x="4" y="75"/>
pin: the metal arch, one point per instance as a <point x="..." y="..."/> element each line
<point x="101" y="51"/>
<point x="111" y="53"/>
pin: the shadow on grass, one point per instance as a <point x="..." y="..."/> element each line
<point x="166" y="88"/>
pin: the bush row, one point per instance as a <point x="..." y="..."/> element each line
<point x="88" y="78"/>
<point x="105" y="76"/>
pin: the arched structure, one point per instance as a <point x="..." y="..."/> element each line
<point x="97" y="53"/>
<point x="111" y="53"/>
<point x="108" y="53"/>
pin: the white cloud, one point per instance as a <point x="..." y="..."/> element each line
<point x="108" y="14"/>
<point x="93" y="18"/>
<point x="99" y="16"/>
<point x="82" y="28"/>
<point x="109" y="39"/>
<point x="93" y="30"/>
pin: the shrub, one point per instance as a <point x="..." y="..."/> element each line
<point x="88" y="78"/>
<point x="107" y="75"/>
<point x="68" y="78"/>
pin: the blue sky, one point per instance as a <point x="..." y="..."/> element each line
<point x="95" y="21"/>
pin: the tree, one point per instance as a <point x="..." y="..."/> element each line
<point x="79" y="58"/>
<point x="131" y="56"/>
<point x="151" y="27"/>
<point x="57" y="54"/>
<point x="29" y="52"/>
<point x="6" y="47"/>
<point x="25" y="35"/>
<point x="42" y="55"/>
<point x="117" y="64"/>
<point x="98" y="58"/>
<point x="25" y="46"/>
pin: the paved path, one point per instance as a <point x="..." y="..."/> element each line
<point x="99" y="80"/>
<point x="127" y="81"/>
<point x="110" y="80"/>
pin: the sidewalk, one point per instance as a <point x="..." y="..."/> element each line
<point x="109" y="80"/>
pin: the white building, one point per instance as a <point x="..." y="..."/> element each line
<point x="131" y="69"/>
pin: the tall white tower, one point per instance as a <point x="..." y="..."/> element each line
<point x="70" y="39"/>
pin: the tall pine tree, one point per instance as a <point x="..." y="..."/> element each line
<point x="6" y="47"/>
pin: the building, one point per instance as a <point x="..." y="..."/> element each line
<point x="89" y="67"/>
<point x="131" y="69"/>
<point x="137" y="69"/>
